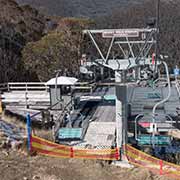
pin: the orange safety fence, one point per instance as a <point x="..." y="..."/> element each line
<point x="156" y="165"/>
<point x="48" y="148"/>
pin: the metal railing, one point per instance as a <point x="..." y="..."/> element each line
<point x="40" y="86"/>
<point x="27" y="86"/>
<point x="23" y="86"/>
<point x="136" y="125"/>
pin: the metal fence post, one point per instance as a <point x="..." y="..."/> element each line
<point x="71" y="152"/>
<point x="28" y="118"/>
<point x="117" y="154"/>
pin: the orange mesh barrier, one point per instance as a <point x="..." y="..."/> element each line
<point x="156" y="165"/>
<point x="44" y="147"/>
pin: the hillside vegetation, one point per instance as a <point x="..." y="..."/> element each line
<point x="30" y="51"/>
<point x="79" y="8"/>
<point x="131" y="17"/>
<point x="18" y="25"/>
<point x="60" y="49"/>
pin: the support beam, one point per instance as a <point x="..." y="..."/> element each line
<point x="97" y="47"/>
<point x="121" y="111"/>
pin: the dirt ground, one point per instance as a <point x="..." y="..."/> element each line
<point x="19" y="166"/>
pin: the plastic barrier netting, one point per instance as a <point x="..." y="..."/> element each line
<point x="156" y="165"/>
<point x="44" y="147"/>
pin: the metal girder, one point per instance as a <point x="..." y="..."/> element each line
<point x="122" y="64"/>
<point x="96" y="45"/>
<point x="105" y="59"/>
<point x="145" y="40"/>
<point x="135" y="42"/>
<point x="130" y="47"/>
<point x="122" y="50"/>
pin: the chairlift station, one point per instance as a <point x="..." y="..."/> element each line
<point x="138" y="105"/>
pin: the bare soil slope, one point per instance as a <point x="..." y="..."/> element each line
<point x="17" y="166"/>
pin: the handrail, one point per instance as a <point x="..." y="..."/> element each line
<point x="163" y="101"/>
<point x="30" y="87"/>
<point x="22" y="83"/>
<point x="169" y="92"/>
<point x="27" y="86"/>
<point x="138" y="116"/>
<point x="23" y="86"/>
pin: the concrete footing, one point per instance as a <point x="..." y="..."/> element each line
<point x="122" y="164"/>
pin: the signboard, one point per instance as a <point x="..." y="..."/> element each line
<point x="120" y="33"/>
<point x="158" y="140"/>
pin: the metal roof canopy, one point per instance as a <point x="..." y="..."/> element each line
<point x="62" y="80"/>
<point x="144" y="39"/>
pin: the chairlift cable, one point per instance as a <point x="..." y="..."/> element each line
<point x="157" y="35"/>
